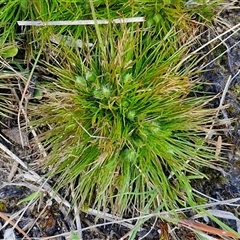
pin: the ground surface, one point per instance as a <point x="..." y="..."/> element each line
<point x="46" y="217"/>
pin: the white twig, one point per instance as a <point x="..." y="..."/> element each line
<point x="80" y="22"/>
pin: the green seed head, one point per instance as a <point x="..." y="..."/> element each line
<point x="131" y="115"/>
<point x="106" y="91"/>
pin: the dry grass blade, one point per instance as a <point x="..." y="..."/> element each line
<point x="206" y="228"/>
<point x="232" y="30"/>
<point x="77" y="215"/>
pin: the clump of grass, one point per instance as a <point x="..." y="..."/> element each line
<point x="123" y="127"/>
<point x="160" y="15"/>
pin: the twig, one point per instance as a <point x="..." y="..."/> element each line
<point x="80" y="22"/>
<point x="6" y="218"/>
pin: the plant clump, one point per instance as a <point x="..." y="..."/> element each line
<point x="124" y="127"/>
<point x="161" y="15"/>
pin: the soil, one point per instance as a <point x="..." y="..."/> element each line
<point x="47" y="217"/>
<point x="224" y="70"/>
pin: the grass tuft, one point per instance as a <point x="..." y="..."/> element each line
<point x="123" y="125"/>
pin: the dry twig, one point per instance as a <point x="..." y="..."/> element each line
<point x="9" y="221"/>
<point x="80" y="22"/>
